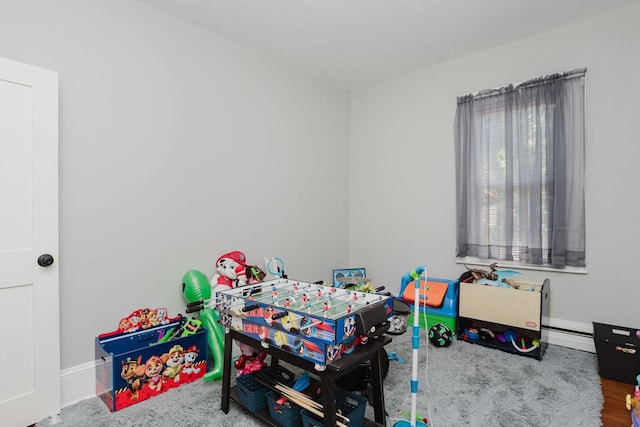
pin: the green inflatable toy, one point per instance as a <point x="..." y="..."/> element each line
<point x="196" y="290"/>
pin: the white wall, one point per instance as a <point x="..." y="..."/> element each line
<point x="402" y="158"/>
<point x="169" y="137"/>
<point x="177" y="146"/>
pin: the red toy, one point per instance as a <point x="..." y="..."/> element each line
<point x="250" y="360"/>
<point x="232" y="271"/>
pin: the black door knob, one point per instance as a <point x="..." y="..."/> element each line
<point x="45" y="260"/>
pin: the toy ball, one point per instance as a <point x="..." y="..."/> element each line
<point x="440" y="335"/>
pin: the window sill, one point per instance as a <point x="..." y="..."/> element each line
<point x="517" y="265"/>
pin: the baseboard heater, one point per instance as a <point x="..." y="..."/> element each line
<point x="566" y="337"/>
<point x="568" y="331"/>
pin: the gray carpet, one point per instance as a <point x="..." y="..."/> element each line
<point x="468" y="385"/>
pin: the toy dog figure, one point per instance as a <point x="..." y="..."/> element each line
<point x="190" y="356"/>
<point x="173" y="360"/>
<point x="230" y="271"/>
<point x="133" y="373"/>
<point x="153" y="370"/>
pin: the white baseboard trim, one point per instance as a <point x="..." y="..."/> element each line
<point x="79" y="382"/>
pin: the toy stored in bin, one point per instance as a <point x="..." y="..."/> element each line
<point x="134" y="366"/>
<point x="286" y="415"/>
<point x="253" y="394"/>
<point x="440" y="301"/>
<point x="351" y="405"/>
<point x="401" y="312"/>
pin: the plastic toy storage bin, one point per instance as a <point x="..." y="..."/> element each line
<point x="445" y="313"/>
<point x="351" y="406"/>
<point x="252" y="394"/>
<point x="285" y="415"/>
<point x="135" y="349"/>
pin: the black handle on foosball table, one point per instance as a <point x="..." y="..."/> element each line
<point x="246" y="293"/>
<point x="192" y="304"/>
<point x="279" y="315"/>
<point x="249" y="308"/>
<point x="378" y="289"/>
<point x="194" y="308"/>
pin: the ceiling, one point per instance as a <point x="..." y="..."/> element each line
<point x="352" y="43"/>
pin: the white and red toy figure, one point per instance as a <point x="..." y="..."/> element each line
<point x="231" y="271"/>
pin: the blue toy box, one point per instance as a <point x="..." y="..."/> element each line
<point x="134" y="363"/>
<point x="446" y="294"/>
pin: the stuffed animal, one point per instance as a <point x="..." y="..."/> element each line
<point x="250" y="360"/>
<point x="231" y="271"/>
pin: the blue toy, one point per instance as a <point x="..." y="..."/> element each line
<point x="414" y="276"/>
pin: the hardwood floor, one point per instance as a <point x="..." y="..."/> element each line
<point x="614" y="412"/>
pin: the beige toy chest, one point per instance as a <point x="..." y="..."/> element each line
<point x="520" y="307"/>
<point x="507" y="319"/>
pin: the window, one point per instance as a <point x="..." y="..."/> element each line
<point x="520" y="172"/>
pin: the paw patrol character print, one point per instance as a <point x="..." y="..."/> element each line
<point x="190" y="356"/>
<point x="133" y="373"/>
<point x="162" y="316"/>
<point x="349" y="326"/>
<point x="153" y="373"/>
<point x="135" y="323"/>
<point x="147" y="318"/>
<point x="173" y="361"/>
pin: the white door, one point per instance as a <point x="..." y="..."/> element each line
<point x="29" y="306"/>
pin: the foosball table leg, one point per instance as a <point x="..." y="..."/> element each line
<point x="329" y="400"/>
<point x="377" y="386"/>
<point x="226" y="372"/>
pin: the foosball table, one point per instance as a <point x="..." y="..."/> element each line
<point x="309" y="320"/>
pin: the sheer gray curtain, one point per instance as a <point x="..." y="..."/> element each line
<point x="519" y="153"/>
